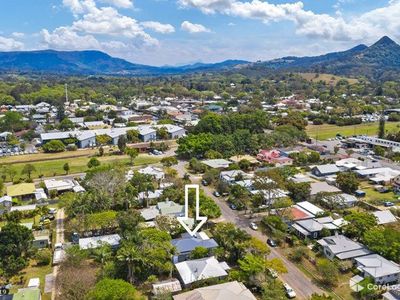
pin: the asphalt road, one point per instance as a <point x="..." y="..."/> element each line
<point x="59" y="239"/>
<point x="302" y="285"/>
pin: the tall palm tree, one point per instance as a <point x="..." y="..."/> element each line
<point x="130" y="254"/>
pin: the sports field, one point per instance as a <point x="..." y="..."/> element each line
<point x="326" y="131"/>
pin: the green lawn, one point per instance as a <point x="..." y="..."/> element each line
<point x="326" y="131"/>
<point x="374" y="197"/>
<point x="49" y="168"/>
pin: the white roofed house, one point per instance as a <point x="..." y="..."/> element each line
<point x="157" y="173"/>
<point x="342" y="248"/>
<point x="325" y="170"/>
<point x="384" y="217"/>
<point x="379" y="175"/>
<point x="63" y="185"/>
<point x="200" y="269"/>
<point x="233" y="176"/>
<point x="382" y="271"/>
<point x="97" y="241"/>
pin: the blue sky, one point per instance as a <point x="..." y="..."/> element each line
<point x="171" y="32"/>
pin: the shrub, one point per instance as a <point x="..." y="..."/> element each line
<point x="43" y="257"/>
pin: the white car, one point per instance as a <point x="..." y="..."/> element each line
<point x="289" y="291"/>
<point x="253" y="226"/>
<point x="273" y="273"/>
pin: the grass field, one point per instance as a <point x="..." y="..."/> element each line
<point x="326" y="131"/>
<point x="54" y="167"/>
<point x="327" y="78"/>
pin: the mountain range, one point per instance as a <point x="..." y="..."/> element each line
<point x="380" y="60"/>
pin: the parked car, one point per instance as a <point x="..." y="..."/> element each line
<point x="216" y="194"/>
<point x="59" y="254"/>
<point x="273" y="273"/>
<point x="232" y="206"/>
<point x="52" y="211"/>
<point x="388" y="204"/>
<point x="253" y="226"/>
<point x="75" y="238"/>
<point x="272" y="243"/>
<point x="290" y="293"/>
<point x="204" y="182"/>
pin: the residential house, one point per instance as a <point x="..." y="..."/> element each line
<point x="311" y="228"/>
<point x="310" y="208"/>
<point x="41" y="239"/>
<point x="62" y="185"/>
<point x="322" y="187"/>
<point x="23" y="191"/>
<point x="5" y="204"/>
<point x="157" y="173"/>
<point x="165" y="208"/>
<point x="274" y="157"/>
<point x="393" y="293"/>
<point x="187" y="243"/>
<point x="341" y="200"/>
<point x="383" y="271"/>
<point x="384" y="217"/>
<point x="217" y="163"/>
<point x="233" y="290"/>
<point x="378" y="175"/>
<point x="232" y="176"/>
<point x="325" y="170"/>
<point x="200" y="269"/>
<point x="96" y="241"/>
<point x="341" y="247"/>
<point x="169" y="286"/>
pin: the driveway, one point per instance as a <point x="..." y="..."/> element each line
<point x="59" y="239"/>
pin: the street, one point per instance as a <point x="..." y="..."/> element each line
<point x="302" y="285"/>
<point x="59" y="239"/>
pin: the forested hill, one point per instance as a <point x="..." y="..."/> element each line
<point x="378" y="61"/>
<point x="91" y="62"/>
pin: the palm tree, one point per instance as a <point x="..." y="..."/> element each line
<point x="102" y="255"/>
<point x="130" y="254"/>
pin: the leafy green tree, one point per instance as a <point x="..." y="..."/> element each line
<point x="66" y="124"/>
<point x="380" y="151"/>
<point x="122" y="144"/>
<point x="299" y="191"/>
<point x="169" y="161"/>
<point x="347" y="182"/>
<point x="133" y="136"/>
<point x="54" y="146"/>
<point x="132" y="153"/>
<point x="383" y="240"/>
<point x="320" y="297"/>
<point x="359" y="223"/>
<point x="15" y="247"/>
<point x="381" y="129"/>
<point x="199" y="252"/>
<point x="28" y="169"/>
<point x="66" y="168"/>
<point x="43" y="257"/>
<point x="162" y="133"/>
<point x="103" y="139"/>
<point x="328" y="272"/>
<point x="113" y="289"/>
<point x="273" y="289"/>
<point x="93" y="162"/>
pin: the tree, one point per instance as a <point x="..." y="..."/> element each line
<point x="103" y="139"/>
<point x="133" y="136"/>
<point x="199" y="252"/>
<point x="15" y="247"/>
<point x="66" y="168"/>
<point x="299" y="191"/>
<point x="132" y="153"/>
<point x="378" y="150"/>
<point x="11" y="172"/>
<point x="273" y="289"/>
<point x="66" y="124"/>
<point x="359" y="223"/>
<point x="162" y="133"/>
<point x="320" y="297"/>
<point x="381" y="130"/>
<point x="347" y="182"/>
<point x="122" y="144"/>
<point x="383" y="240"/>
<point x="54" y="146"/>
<point x="28" y="169"/>
<point x="93" y="162"/>
<point x="113" y="289"/>
<point x="169" y="161"/>
<point x="43" y="257"/>
<point x="328" y="272"/>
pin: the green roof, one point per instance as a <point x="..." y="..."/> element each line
<point x="27" y="294"/>
<point x="21" y="189"/>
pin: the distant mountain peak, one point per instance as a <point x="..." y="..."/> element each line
<point x="385" y="41"/>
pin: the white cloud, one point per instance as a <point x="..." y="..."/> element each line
<point x="18" y="35"/>
<point x="193" y="28"/>
<point x="158" y="27"/>
<point x="9" y="44"/>
<point x="66" y="39"/>
<point x="120" y="3"/>
<point x="370" y="25"/>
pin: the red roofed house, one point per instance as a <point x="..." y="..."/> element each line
<point x="274" y="157"/>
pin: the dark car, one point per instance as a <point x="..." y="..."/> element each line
<point x="272" y="243"/>
<point x="204" y="182"/>
<point x="232" y="206"/>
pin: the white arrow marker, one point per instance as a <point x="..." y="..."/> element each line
<point x="201" y="220"/>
